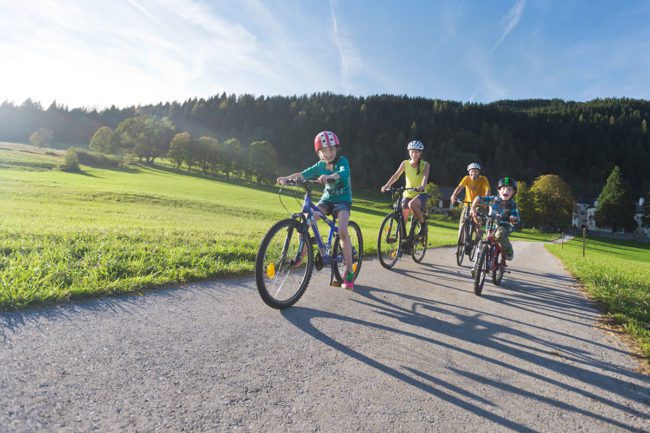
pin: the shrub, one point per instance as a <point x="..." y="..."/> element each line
<point x="70" y="161"/>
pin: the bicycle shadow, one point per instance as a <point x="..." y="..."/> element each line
<point x="473" y="327"/>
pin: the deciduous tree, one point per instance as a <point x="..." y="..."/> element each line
<point x="104" y="140"/>
<point x="553" y="202"/>
<point x="42" y="138"/>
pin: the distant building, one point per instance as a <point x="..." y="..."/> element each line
<point x="584" y="214"/>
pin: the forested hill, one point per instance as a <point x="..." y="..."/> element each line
<point x="580" y="141"/>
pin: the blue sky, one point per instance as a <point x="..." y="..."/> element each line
<point x="128" y="52"/>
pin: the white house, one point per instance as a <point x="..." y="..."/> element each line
<point x="584" y="215"/>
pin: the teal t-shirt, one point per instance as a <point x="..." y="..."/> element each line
<point x="341" y="189"/>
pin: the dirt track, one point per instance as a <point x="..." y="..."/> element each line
<point x="409" y="350"/>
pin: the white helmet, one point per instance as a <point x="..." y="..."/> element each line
<point x="475" y="165"/>
<point x="415" y="145"/>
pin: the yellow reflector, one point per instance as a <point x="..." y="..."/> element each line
<point x="270" y="270"/>
<point x="354" y="266"/>
<point x="393" y="254"/>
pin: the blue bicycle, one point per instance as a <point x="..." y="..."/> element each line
<point x="286" y="259"/>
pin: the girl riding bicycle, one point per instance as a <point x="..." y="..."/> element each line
<point x="333" y="171"/>
<point x="417" y="174"/>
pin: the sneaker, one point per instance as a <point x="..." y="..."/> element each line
<point x="348" y="281"/>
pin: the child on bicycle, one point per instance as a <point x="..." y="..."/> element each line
<point x="333" y="171"/>
<point x="417" y="174"/>
<point x="475" y="185"/>
<point x="504" y="206"/>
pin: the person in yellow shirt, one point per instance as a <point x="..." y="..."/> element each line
<point x="475" y="185"/>
<point x="417" y="174"/>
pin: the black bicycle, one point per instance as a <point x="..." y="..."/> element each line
<point x="393" y="240"/>
<point x="467" y="237"/>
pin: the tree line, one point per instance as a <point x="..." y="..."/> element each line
<point x="579" y="141"/>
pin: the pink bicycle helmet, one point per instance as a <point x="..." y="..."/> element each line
<point x="325" y="139"/>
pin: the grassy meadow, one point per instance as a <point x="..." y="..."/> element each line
<point x="616" y="273"/>
<point x="70" y="235"/>
<point x="106" y="231"/>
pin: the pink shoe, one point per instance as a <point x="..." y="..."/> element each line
<point x="348" y="281"/>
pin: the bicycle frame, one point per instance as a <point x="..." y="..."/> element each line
<point x="306" y="215"/>
<point x="495" y="248"/>
<point x="398" y="209"/>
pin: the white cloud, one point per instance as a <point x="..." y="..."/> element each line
<point x="510" y="21"/>
<point x="350" y="60"/>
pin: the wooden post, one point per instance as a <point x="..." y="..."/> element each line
<point x="584" y="236"/>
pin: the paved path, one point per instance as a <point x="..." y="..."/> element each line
<point x="410" y="350"/>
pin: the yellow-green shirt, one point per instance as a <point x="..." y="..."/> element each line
<point x="474" y="188"/>
<point x="413" y="179"/>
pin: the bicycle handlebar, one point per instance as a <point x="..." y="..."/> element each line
<point x="399" y="189"/>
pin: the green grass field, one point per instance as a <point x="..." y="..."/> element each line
<point x="72" y="235"/>
<point x="617" y="273"/>
<point x="66" y="235"/>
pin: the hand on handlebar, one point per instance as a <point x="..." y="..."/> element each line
<point x="513" y="219"/>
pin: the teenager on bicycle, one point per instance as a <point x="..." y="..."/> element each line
<point x="417" y="174"/>
<point x="337" y="196"/>
<point x="504" y="206"/>
<point x="475" y="185"/>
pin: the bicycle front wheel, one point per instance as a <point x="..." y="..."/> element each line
<point x="389" y="241"/>
<point x="481" y="269"/>
<point x="499" y="268"/>
<point x="284" y="264"/>
<point x="460" y="247"/>
<point x="419" y="243"/>
<point x="356" y="241"/>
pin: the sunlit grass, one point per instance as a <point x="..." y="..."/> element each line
<point x="617" y="273"/>
<point x="71" y="235"/>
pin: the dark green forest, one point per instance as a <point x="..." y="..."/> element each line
<point x="579" y="141"/>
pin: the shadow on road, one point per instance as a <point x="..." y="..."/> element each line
<point x="474" y="334"/>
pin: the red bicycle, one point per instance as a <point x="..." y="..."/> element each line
<point x="491" y="257"/>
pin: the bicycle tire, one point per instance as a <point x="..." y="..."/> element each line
<point x="460" y="245"/>
<point x="280" y="282"/>
<point x="472" y="253"/>
<point x="389" y="241"/>
<point x="356" y="238"/>
<point x="499" y="268"/>
<point x="419" y="244"/>
<point x="481" y="270"/>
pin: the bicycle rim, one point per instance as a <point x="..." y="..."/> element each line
<point x="357" y="252"/>
<point x="283" y="265"/>
<point x="389" y="241"/>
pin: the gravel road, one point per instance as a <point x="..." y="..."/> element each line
<point x="410" y="350"/>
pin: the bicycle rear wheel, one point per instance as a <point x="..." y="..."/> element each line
<point x="460" y="247"/>
<point x="284" y="264"/>
<point x="356" y="240"/>
<point x="499" y="268"/>
<point x="419" y="243"/>
<point x="389" y="241"/>
<point x="481" y="269"/>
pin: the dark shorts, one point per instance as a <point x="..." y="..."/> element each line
<point x="333" y="209"/>
<point x="422" y="197"/>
